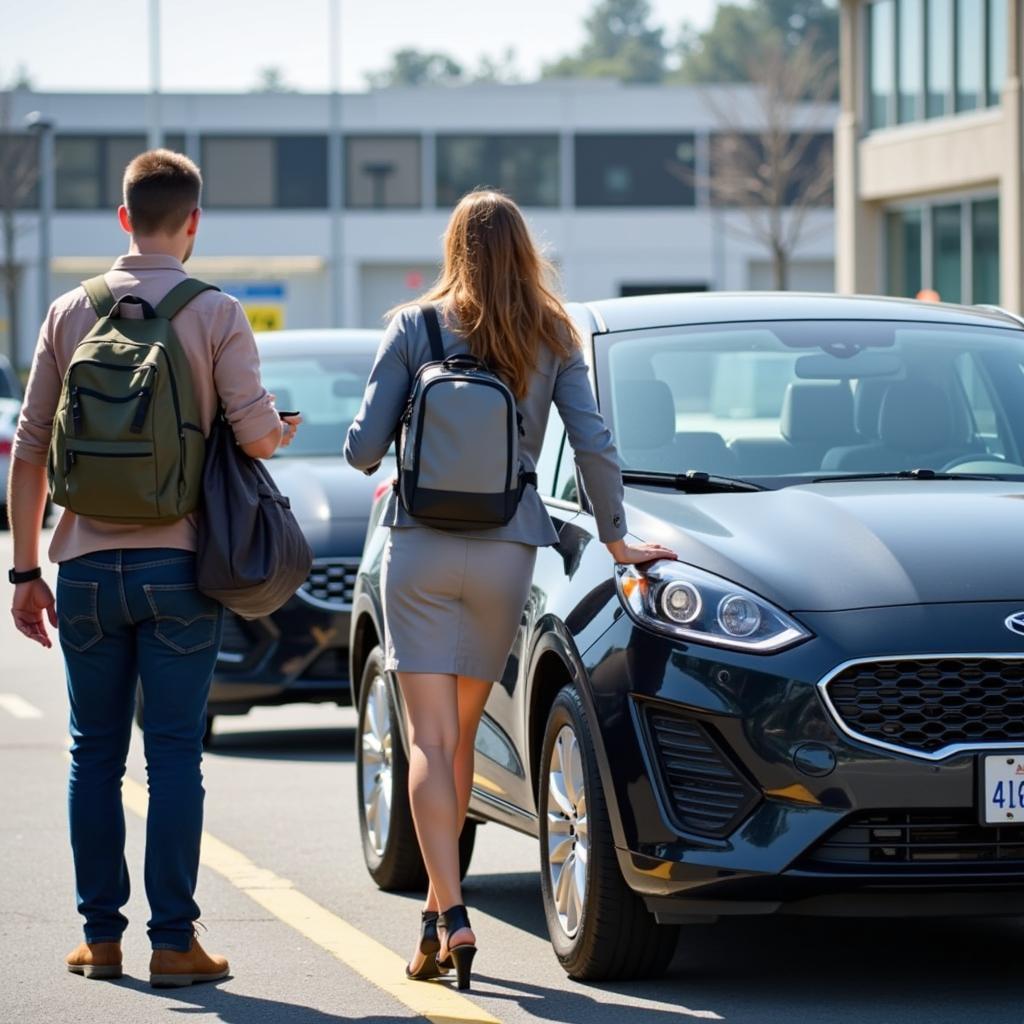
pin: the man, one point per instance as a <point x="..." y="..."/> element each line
<point x="127" y="607"/>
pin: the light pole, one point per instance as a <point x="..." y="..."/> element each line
<point x="156" y="131"/>
<point x="335" y="168"/>
<point x="42" y="127"/>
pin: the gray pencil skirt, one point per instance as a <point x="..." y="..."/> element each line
<point x="452" y="605"/>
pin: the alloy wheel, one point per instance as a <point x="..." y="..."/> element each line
<point x="377" y="781"/>
<point x="567" y="830"/>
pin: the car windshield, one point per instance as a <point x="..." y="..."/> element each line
<point x="812" y="399"/>
<point x="326" y="388"/>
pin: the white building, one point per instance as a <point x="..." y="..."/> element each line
<point x="614" y="180"/>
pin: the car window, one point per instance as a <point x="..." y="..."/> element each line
<point x="547" y="464"/>
<point x="806" y="398"/>
<point x="326" y="389"/>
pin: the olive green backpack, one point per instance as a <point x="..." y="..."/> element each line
<point x="126" y="444"/>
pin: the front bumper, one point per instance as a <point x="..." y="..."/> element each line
<point x="763" y="714"/>
<point x="300" y="653"/>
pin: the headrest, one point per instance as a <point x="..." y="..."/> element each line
<point x="916" y="416"/>
<point x="645" y="414"/>
<point x="817" y="411"/>
<point x="867" y="404"/>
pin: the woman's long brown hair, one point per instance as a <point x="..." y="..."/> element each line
<point x="495" y="284"/>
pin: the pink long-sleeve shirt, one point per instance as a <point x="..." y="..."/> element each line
<point x="221" y="351"/>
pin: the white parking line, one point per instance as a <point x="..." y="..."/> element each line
<point x="18" y="706"/>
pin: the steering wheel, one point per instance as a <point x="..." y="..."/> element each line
<point x="972" y="464"/>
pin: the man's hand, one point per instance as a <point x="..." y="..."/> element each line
<point x="289" y="426"/>
<point x="33" y="604"/>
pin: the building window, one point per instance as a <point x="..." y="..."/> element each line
<point x="283" y="172"/>
<point x="524" y="166"/>
<point x="634" y="170"/>
<point x="939" y="57"/>
<point x="903" y="263"/>
<point x="911" y="59"/>
<point x="882" y="61"/>
<point x="19" y="170"/>
<point x="997" y="42"/>
<point x="985" y="251"/>
<point x="90" y="169"/>
<point x="951" y="248"/>
<point x="970" y="24"/>
<point x="382" y="171"/>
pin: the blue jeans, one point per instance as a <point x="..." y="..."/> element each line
<point x="126" y="616"/>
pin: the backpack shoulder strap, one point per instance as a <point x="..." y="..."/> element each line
<point x="100" y="295"/>
<point x="433" y="331"/>
<point x="180" y="296"/>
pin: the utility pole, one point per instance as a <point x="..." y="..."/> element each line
<point x="335" y="169"/>
<point x="156" y="131"/>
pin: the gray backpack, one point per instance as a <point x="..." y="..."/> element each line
<point x="458" y="443"/>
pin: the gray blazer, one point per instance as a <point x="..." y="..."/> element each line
<point x="405" y="348"/>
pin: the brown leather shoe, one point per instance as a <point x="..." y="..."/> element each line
<point x="96" y="960"/>
<point x="169" y="968"/>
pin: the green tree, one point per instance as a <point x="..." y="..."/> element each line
<point x="740" y="34"/>
<point x="411" y="67"/>
<point x="620" y="42"/>
<point x="271" y="79"/>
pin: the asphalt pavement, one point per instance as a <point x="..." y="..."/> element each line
<point x="311" y="941"/>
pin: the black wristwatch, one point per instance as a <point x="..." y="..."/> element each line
<point x="24" y="577"/>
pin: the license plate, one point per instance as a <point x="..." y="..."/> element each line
<point x="1002" y="797"/>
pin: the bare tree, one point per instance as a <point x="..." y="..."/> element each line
<point x="773" y="164"/>
<point x="19" y="177"/>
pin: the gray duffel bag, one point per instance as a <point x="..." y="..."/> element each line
<point x="252" y="554"/>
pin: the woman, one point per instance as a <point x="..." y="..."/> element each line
<point x="453" y="600"/>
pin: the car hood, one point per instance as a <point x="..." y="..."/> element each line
<point x="330" y="499"/>
<point x="835" y="546"/>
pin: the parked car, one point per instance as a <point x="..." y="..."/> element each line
<point x="300" y="653"/>
<point x="10" y="406"/>
<point x="819" y="709"/>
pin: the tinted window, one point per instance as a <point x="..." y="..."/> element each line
<point x="911" y="63"/>
<point x="946" y="252"/>
<point x="326" y="389"/>
<point x="985" y="251"/>
<point x="882" y="68"/>
<point x="524" y="166"/>
<point x="997" y="46"/>
<point x="903" y="252"/>
<point x="740" y="174"/>
<point x="634" y="170"/>
<point x="90" y="169"/>
<point x="970" y="24"/>
<point x="265" y="172"/>
<point x="382" y="171"/>
<point x="813" y="398"/>
<point x="939" y="57"/>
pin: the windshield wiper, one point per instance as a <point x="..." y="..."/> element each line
<point x="905" y="474"/>
<point x="691" y="482"/>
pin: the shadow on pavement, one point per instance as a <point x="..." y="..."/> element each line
<point x="513" y="898"/>
<point x="234" y="1008"/>
<point x="327" y="744"/>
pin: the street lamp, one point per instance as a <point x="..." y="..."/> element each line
<point x="42" y="127"/>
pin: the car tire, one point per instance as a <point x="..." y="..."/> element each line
<point x="391" y="851"/>
<point x="140" y="720"/>
<point x="600" y="929"/>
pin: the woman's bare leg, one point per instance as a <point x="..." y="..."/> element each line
<point x="432" y="713"/>
<point x="472" y="696"/>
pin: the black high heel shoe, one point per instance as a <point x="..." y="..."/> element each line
<point x="430" y="946"/>
<point x="454" y="919"/>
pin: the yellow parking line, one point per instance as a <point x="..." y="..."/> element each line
<point x="376" y="963"/>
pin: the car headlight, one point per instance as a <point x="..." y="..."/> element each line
<point x="683" y="601"/>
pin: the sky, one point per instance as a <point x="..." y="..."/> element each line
<point x="221" y="44"/>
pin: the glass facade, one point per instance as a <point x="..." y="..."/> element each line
<point x="903" y="244"/>
<point x="90" y="169"/>
<point x="382" y="171"/>
<point x="635" y="170"/>
<point x="985" y="251"/>
<point x="524" y="166"/>
<point x="949" y="247"/>
<point x="259" y="172"/>
<point x="882" y="63"/>
<point x="929" y="58"/>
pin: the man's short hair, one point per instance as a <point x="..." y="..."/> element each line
<point x="161" y="188"/>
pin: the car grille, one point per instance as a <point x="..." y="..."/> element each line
<point x="702" y="790"/>
<point x="917" y="840"/>
<point x="928" y="705"/>
<point x="332" y="581"/>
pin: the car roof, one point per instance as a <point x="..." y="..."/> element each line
<point x="683" y="309"/>
<point x="315" y="342"/>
